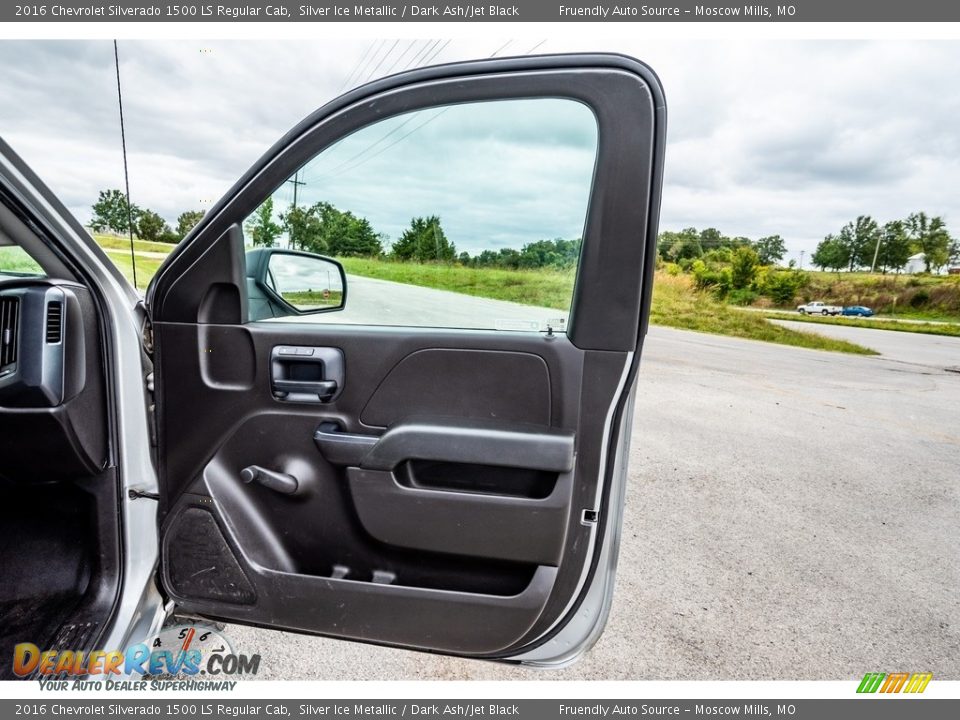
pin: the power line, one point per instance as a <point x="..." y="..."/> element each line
<point x="372" y="55"/>
<point x="427" y="46"/>
<point x="363" y="57"/>
<point x="430" y="59"/>
<point x="531" y="50"/>
<point x="400" y="57"/>
<point x="346" y="163"/>
<point x="296" y="182"/>
<point x="126" y="173"/>
<point x="379" y="64"/>
<point x="367" y="149"/>
<point x="333" y="173"/>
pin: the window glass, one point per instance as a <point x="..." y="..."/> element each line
<point x="14" y="261"/>
<point x="466" y="216"/>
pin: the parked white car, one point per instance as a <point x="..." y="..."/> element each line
<point x="819" y="308"/>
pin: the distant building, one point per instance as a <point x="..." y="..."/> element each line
<point x="916" y="264"/>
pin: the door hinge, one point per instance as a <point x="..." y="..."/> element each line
<point x="146" y="336"/>
<point x="151" y="409"/>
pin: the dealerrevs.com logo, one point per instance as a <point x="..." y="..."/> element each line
<point x="174" y="659"/>
<point x="900" y="682"/>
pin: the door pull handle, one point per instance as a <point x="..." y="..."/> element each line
<point x="276" y="481"/>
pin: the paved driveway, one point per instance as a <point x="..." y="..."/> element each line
<point x="791" y="514"/>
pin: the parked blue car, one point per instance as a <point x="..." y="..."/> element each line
<point x="858" y="310"/>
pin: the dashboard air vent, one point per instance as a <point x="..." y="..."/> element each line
<point x="9" y="325"/>
<point x="54" y="322"/>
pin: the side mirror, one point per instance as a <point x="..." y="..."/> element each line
<point x="290" y="282"/>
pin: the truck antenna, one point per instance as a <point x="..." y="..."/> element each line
<point x="126" y="174"/>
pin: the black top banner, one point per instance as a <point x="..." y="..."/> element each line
<point x="518" y="11"/>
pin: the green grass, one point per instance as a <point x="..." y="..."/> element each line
<point x="14" y="259"/>
<point x="543" y="288"/>
<point x="920" y="297"/>
<point x="893" y="325"/>
<point x="116" y="242"/>
<point x="146" y="266"/>
<point x="304" y="299"/>
<point x="676" y="304"/>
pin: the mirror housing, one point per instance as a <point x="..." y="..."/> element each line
<point x="283" y="282"/>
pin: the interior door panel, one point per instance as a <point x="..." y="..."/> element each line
<point x="428" y="488"/>
<point x="454" y="502"/>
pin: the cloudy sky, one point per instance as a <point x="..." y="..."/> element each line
<point x="788" y="137"/>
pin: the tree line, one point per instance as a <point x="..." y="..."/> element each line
<point x="690" y="244"/>
<point x="112" y="213"/>
<point x="325" y="229"/>
<point x="865" y="244"/>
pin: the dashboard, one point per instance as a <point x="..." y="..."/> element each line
<point x="52" y="398"/>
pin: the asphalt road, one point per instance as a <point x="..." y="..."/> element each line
<point x="935" y="350"/>
<point x="791" y="514"/>
<point x="380" y="302"/>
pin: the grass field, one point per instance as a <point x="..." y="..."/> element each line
<point x="675" y="303"/>
<point x="930" y="328"/>
<point x="913" y="297"/>
<point x="15" y="259"/>
<point x="116" y="242"/>
<point x="543" y="288"/>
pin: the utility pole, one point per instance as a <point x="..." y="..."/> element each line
<point x="296" y="182"/>
<point x="801" y="260"/>
<point x="876" y="252"/>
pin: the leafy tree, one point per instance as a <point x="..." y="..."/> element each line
<point x="770" y="249"/>
<point x="111" y="212"/>
<point x="508" y="258"/>
<point x="831" y="253"/>
<point x="150" y="226"/>
<point x="322" y="228"/>
<point x="424" y="241"/>
<point x="929" y="235"/>
<point x="557" y="253"/>
<point x="743" y="267"/>
<point x="187" y="221"/>
<point x="705" y="278"/>
<point x="361" y="239"/>
<point x="782" y="286"/>
<point x="675" y="246"/>
<point x="305" y="229"/>
<point x="711" y="238"/>
<point x="261" y="226"/>
<point x="894" y="246"/>
<point x="954" y="252"/>
<point x="860" y="238"/>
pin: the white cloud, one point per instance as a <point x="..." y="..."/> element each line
<point x="788" y="137"/>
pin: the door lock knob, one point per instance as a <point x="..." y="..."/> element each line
<point x="277" y="481"/>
